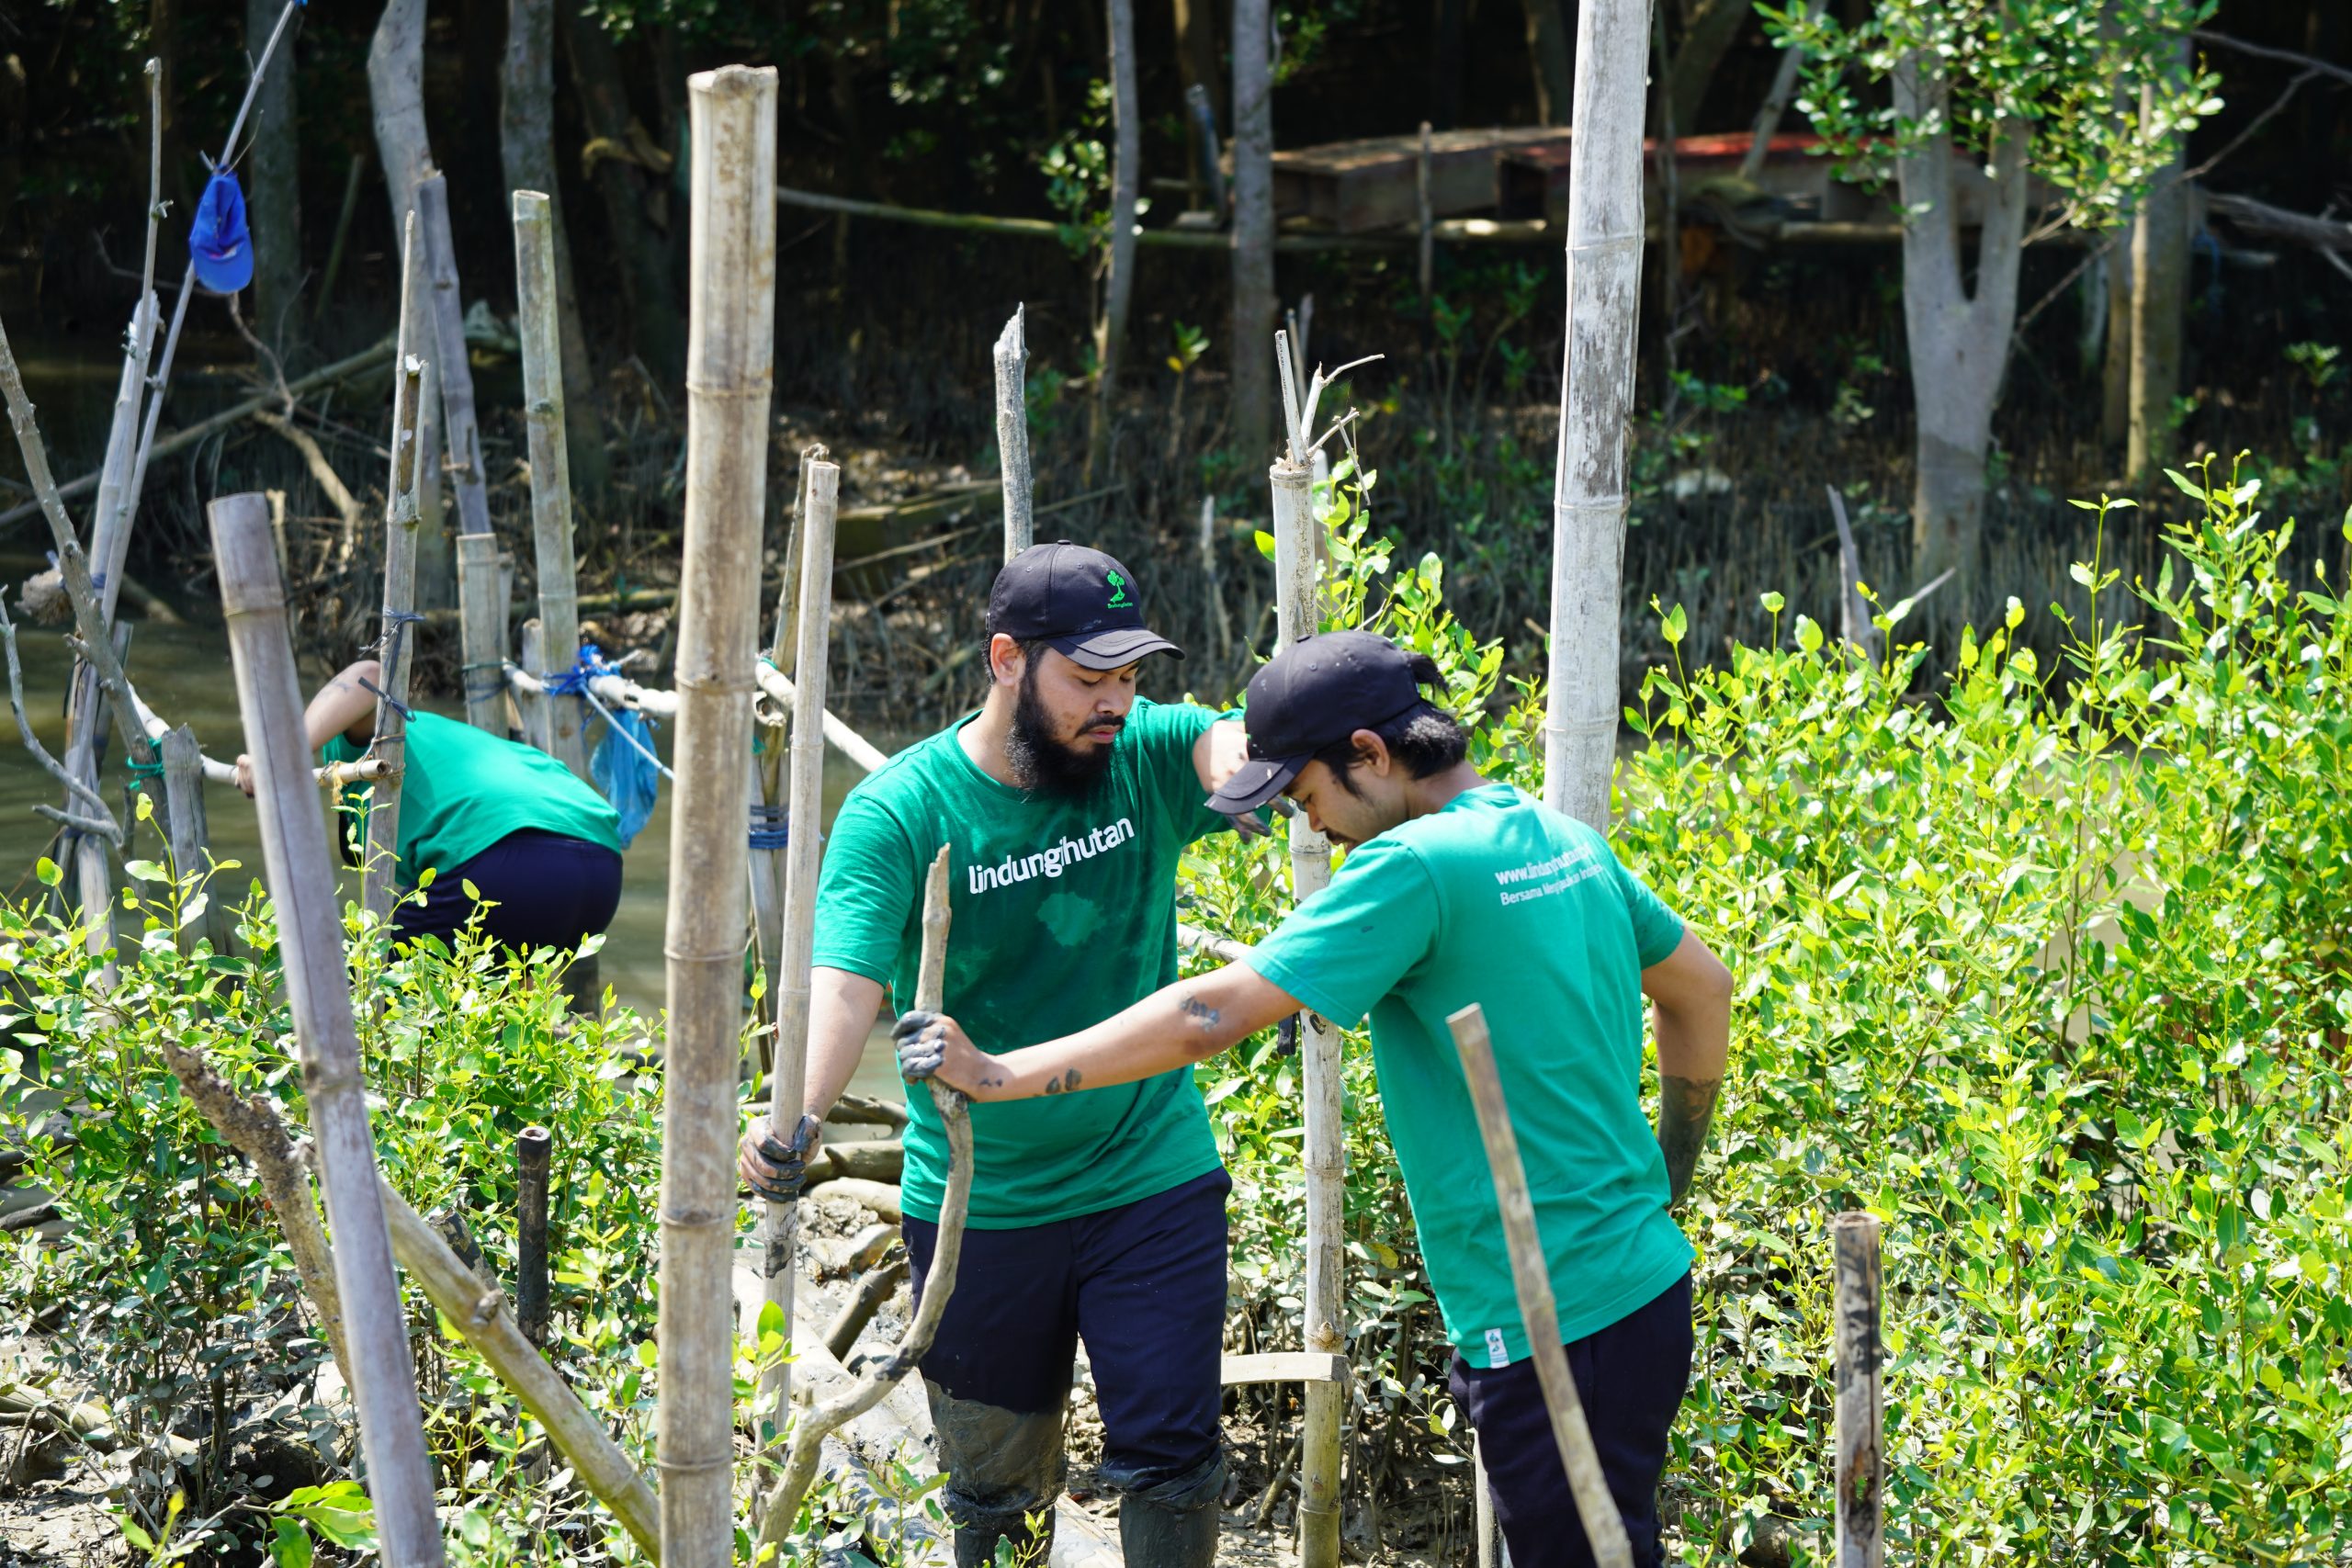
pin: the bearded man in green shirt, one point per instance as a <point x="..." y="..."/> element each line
<point x="1454" y="891"/>
<point x="1066" y="802"/>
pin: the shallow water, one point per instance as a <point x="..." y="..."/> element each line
<point x="183" y="672"/>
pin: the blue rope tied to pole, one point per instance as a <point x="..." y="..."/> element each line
<point x="769" y="826"/>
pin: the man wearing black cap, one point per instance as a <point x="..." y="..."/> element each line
<point x="1066" y="802"/>
<point x="1455" y="891"/>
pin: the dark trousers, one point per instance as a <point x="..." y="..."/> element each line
<point x="1143" y="1284"/>
<point x="1631" y="1376"/>
<point x="546" y="890"/>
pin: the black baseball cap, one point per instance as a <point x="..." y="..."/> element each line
<point x="1315" y="693"/>
<point x="1080" y="602"/>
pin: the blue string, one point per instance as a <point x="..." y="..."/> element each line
<point x="769" y="829"/>
<point x="589" y="663"/>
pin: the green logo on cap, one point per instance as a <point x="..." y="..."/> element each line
<point x="1119" y="600"/>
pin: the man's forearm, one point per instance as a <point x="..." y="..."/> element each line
<point x="1188" y="1022"/>
<point x="841" y="1017"/>
<point x="1687" y="1098"/>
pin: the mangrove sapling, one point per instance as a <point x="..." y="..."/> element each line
<point x="1603" y="1527"/>
<point x="781" y="1510"/>
<point x="389" y="746"/>
<point x="301" y="876"/>
<point x="1588" y="498"/>
<point x="733" y="309"/>
<point x="791" y="980"/>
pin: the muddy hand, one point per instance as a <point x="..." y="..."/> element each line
<point x="778" y="1171"/>
<point x="933" y="1046"/>
<point x="922" y="1039"/>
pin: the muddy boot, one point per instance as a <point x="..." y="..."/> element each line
<point x="1173" y="1523"/>
<point x="1001" y="1466"/>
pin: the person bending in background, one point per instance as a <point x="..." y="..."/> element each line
<point x="1066" y="801"/>
<point x="541" y="848"/>
<point x="1454" y="891"/>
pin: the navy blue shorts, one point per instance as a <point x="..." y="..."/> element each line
<point x="1143" y="1284"/>
<point x="1631" y="1377"/>
<point x="546" y="890"/>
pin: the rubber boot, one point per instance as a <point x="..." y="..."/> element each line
<point x="1173" y="1523"/>
<point x="1002" y="1466"/>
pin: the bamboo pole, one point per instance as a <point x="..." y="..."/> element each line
<point x="381" y="864"/>
<point x="301" y="883"/>
<point x="782" y="1506"/>
<point x="730" y="344"/>
<point x="850" y="743"/>
<point x="1325" y="1150"/>
<point x="1604" y="1527"/>
<point x="543" y="394"/>
<point x="788" y="1081"/>
<point x="532" y="1147"/>
<point x="446" y="330"/>
<point x="1012" y="432"/>
<point x="532" y="703"/>
<point x="481" y="630"/>
<point x="1604" y="295"/>
<point x="184" y="805"/>
<point x="1861" y="1470"/>
<point x="768" y="782"/>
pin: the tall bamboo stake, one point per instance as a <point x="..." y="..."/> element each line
<point x="732" y="304"/>
<point x="768" y="782"/>
<point x="1310" y="870"/>
<point x="183" y="805"/>
<point x="791" y="980"/>
<point x="380" y="865"/>
<point x="446" y="330"/>
<point x="1012" y="432"/>
<point x="531" y="703"/>
<point x="482" y="632"/>
<point x="782" y="1505"/>
<point x="1604" y="296"/>
<point x="1861" y="1463"/>
<point x="1604" y="1527"/>
<point x="535" y="295"/>
<point x="310" y="936"/>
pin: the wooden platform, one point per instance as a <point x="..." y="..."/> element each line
<point x="1353" y="187"/>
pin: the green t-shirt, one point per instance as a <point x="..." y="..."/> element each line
<point x="464" y="789"/>
<point x="1064" y="912"/>
<point x="1496" y="900"/>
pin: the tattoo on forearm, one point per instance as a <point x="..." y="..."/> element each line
<point x="1685" y="1107"/>
<point x="1202" y="1015"/>
<point x="1068" y="1080"/>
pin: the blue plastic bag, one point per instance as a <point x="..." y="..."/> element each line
<point x="626" y="773"/>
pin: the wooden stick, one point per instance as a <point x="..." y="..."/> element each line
<point x="532" y="1147"/>
<point x="850" y="743"/>
<point x="532" y="703"/>
<point x="878" y="1286"/>
<point x="75" y="789"/>
<point x="1861" y="1470"/>
<point x="481" y="620"/>
<point x="183" y="805"/>
<point x="1325" y="1146"/>
<point x="731" y="345"/>
<point x="535" y="311"/>
<point x="788" y="1082"/>
<point x="783" y="1504"/>
<point x="1604" y="1527"/>
<point x="1853" y="610"/>
<point x="1426" y="222"/>
<point x="1589" y="497"/>
<point x="381" y="861"/>
<point x="1012" y="432"/>
<point x="1776" y="104"/>
<point x="446" y="330"/>
<point x="301" y="883"/>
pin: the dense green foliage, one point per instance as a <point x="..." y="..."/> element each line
<point x="2049" y="973"/>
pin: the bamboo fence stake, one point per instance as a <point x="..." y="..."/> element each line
<point x="768" y="782"/>
<point x="782" y="1506"/>
<point x="183" y="806"/>
<point x="1604" y="1527"/>
<point x="789" y="1080"/>
<point x="532" y="1147"/>
<point x="446" y="330"/>
<point x="1861" y="1470"/>
<point x="482" y="632"/>
<point x="730" y="344"/>
<point x="1210" y="574"/>
<point x="379" y="862"/>
<point x="1310" y="863"/>
<point x="1012" y="432"/>
<point x="301" y="883"/>
<point x="543" y="393"/>
<point x="532" y="703"/>
<point x="1422" y="211"/>
<point x="1604" y="295"/>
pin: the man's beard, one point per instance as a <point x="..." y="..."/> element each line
<point x="1044" y="762"/>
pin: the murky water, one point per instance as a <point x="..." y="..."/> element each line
<point x="183" y="672"/>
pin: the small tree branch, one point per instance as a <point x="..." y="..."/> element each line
<point x="56" y="770"/>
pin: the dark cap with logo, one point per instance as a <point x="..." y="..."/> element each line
<point x="1315" y="693"/>
<point x="1079" y="602"/>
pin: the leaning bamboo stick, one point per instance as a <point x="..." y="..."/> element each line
<point x="482" y="632"/>
<point x="782" y="1507"/>
<point x="733" y="309"/>
<point x="848" y="741"/>
<point x="381" y="862"/>
<point x="1861" y="1470"/>
<point x="1325" y="1147"/>
<point x="1604" y="294"/>
<point x="789" y="1079"/>
<point x="1012" y="433"/>
<point x="446" y="330"/>
<point x="301" y="882"/>
<point x="543" y="392"/>
<point x="1604" y="1527"/>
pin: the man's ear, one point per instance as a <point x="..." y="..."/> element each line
<point x="1372" y="751"/>
<point x="1006" y="661"/>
